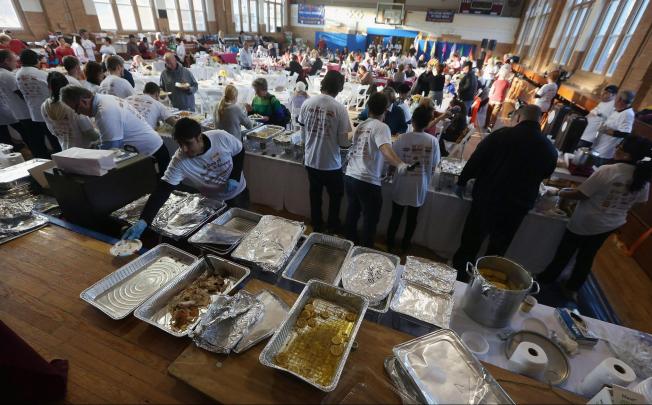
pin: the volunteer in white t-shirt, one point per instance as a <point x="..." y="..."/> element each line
<point x="604" y="200"/>
<point x="325" y="126"/>
<point x="210" y="162"/>
<point x="118" y="122"/>
<point x="150" y="108"/>
<point x="79" y="50"/>
<point x="113" y="83"/>
<point x="597" y="116"/>
<point x="13" y="109"/>
<point x="618" y="125"/>
<point x="74" y="71"/>
<point x="72" y="129"/>
<point x="372" y="144"/>
<point x="88" y="45"/>
<point x="544" y="95"/>
<point x="33" y="85"/>
<point x="409" y="191"/>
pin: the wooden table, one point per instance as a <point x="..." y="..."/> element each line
<point x="242" y="379"/>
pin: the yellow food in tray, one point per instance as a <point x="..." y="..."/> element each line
<point x="497" y="278"/>
<point x="318" y="341"/>
<point x="265" y="133"/>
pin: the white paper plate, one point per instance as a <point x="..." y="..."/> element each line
<point x="126" y="247"/>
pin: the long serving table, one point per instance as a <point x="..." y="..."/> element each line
<point x="127" y="361"/>
<point x="282" y="184"/>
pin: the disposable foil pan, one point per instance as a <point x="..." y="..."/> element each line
<point x="270" y="244"/>
<point x="445" y="371"/>
<point x="11" y="231"/>
<point x="319" y="258"/>
<point x="435" y="276"/>
<point x="15" y="175"/>
<point x="422" y="303"/>
<point x="265" y="132"/>
<point x="122" y="291"/>
<point x="351" y="276"/>
<point x="452" y="166"/>
<point x="316" y="290"/>
<point x="155" y="311"/>
<point x="276" y="310"/>
<point x="13" y="209"/>
<point x="236" y="219"/>
<point x="402" y="382"/>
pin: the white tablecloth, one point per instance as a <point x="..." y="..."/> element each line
<point x="282" y="184"/>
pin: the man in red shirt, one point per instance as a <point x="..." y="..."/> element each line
<point x="64" y="49"/>
<point x="14" y="45"/>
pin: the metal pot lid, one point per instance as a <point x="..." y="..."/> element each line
<point x="558" y="367"/>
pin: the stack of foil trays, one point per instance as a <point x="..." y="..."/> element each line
<point x="425" y="292"/>
<point x="17" y="218"/>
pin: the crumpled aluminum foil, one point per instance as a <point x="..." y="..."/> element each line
<point x="215" y="234"/>
<point x="14" y="209"/>
<point x="369" y="274"/>
<point x="270" y="243"/>
<point x="423" y="304"/>
<point x="436" y="276"/>
<point x="22" y="225"/>
<point x="276" y="310"/>
<point x="226" y="321"/>
<point x="452" y="166"/>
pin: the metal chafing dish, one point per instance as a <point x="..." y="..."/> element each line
<point x="265" y="132"/>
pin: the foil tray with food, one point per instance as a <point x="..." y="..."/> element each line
<point x="265" y="132"/>
<point x="270" y="243"/>
<point x="314" y="342"/>
<point x="371" y="273"/>
<point x="217" y="236"/>
<point x="180" y="216"/>
<point x="177" y="307"/>
<point x="436" y="276"/>
<point x="15" y="228"/>
<point x="452" y="166"/>
<point x="443" y="370"/>
<point x="121" y="292"/>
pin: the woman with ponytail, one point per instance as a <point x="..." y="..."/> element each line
<point x="604" y="200"/>
<point x="71" y="129"/>
<point x="228" y="115"/>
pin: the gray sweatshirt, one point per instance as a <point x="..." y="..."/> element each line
<point x="232" y="118"/>
<point x="180" y="98"/>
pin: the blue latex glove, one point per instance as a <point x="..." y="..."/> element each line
<point x="231" y="186"/>
<point x="135" y="230"/>
<point x="459" y="191"/>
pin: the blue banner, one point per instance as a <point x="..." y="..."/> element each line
<point x="312" y="15"/>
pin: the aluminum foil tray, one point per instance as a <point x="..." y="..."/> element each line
<point x="445" y="371"/>
<point x="371" y="291"/>
<point x="276" y="311"/>
<point x="265" y="132"/>
<point x="322" y="296"/>
<point x="155" y="311"/>
<point x="15" y="175"/>
<point x="452" y="166"/>
<point x="270" y="244"/>
<point x="15" y="229"/>
<point x="122" y="291"/>
<point x="236" y="219"/>
<point x="320" y="258"/>
<point x="181" y="215"/>
<point x="402" y="382"/>
<point x="422" y="303"/>
<point x="435" y="276"/>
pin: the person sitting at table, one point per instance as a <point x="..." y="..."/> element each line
<point x="132" y="46"/>
<point x="409" y="71"/>
<point x="94" y="76"/>
<point x="410" y="191"/>
<point x="457" y="125"/>
<point x="107" y="47"/>
<point x="143" y="48"/>
<point x="210" y="162"/>
<point x="160" y="46"/>
<point x="266" y="104"/>
<point x="72" y="130"/>
<point x="180" y="83"/>
<point x="299" y="96"/>
<point x="294" y="67"/>
<point x="605" y="198"/>
<point x="246" y="58"/>
<point x="73" y="69"/>
<point x="371" y="146"/>
<point x="305" y="60"/>
<point x="508" y="167"/>
<point x="366" y="77"/>
<point x="180" y="50"/>
<point x="149" y="106"/>
<point x="113" y="83"/>
<point x="229" y="116"/>
<point x="118" y="122"/>
<point x="64" y="49"/>
<point x="399" y="76"/>
<point x="394" y="117"/>
<point x="317" y="64"/>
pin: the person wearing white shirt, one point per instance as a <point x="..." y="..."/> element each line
<point x="107" y="48"/>
<point x="246" y="59"/>
<point x="210" y="162"/>
<point x="605" y="198"/>
<point x="149" y="106"/>
<point x="13" y="109"/>
<point x="118" y="122"/>
<point x="80" y="52"/>
<point x="544" y="95"/>
<point x="410" y="191"/>
<point x="598" y="116"/>
<point x="113" y="83"/>
<point x="181" y="50"/>
<point x="88" y="45"/>
<point x="371" y="146"/>
<point x="72" y="130"/>
<point x="73" y="69"/>
<point x="33" y="85"/>
<point x="618" y="125"/>
<point x="325" y="126"/>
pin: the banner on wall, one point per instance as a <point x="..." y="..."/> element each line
<point x="438" y="15"/>
<point x="312" y="14"/>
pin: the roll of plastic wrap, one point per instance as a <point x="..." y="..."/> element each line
<point x="14" y="158"/>
<point x="610" y="371"/>
<point x="529" y="359"/>
<point x="645" y="388"/>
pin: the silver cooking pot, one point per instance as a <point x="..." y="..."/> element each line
<point x="492" y="306"/>
<point x="584" y="157"/>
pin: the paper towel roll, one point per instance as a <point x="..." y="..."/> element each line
<point x="14" y="158"/>
<point x="645" y="388"/>
<point x="529" y="359"/>
<point x="610" y="371"/>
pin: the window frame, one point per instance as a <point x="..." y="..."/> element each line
<point x="564" y="53"/>
<point x="270" y="8"/>
<point x="135" y="7"/>
<point x="535" y="23"/>
<point x="193" y="17"/>
<point x="20" y="17"/>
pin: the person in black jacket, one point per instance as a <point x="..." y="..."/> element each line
<point x="394" y="116"/>
<point x="508" y="167"/>
<point x="468" y="86"/>
<point x="422" y="84"/>
<point x="316" y="65"/>
<point x="295" y="67"/>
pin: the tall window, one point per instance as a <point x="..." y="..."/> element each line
<point x="146" y="15"/>
<point x="273" y="14"/>
<point x="127" y="16"/>
<point x="200" y="22"/>
<point x="535" y="21"/>
<point x="614" y="32"/>
<point x="105" y="15"/>
<point x="186" y="15"/>
<point x="173" y="16"/>
<point x="126" y="11"/>
<point x="573" y="24"/>
<point x="245" y="15"/>
<point x="537" y="33"/>
<point x="9" y="16"/>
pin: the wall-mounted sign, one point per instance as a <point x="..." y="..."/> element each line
<point x="312" y="14"/>
<point x="437" y="15"/>
<point x="489" y="7"/>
